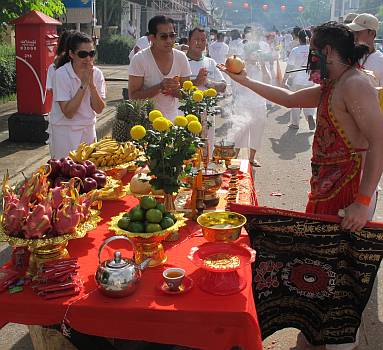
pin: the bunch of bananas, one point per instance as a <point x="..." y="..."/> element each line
<point x="106" y="152"/>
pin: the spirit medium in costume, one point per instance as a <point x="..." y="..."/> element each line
<point x="347" y="160"/>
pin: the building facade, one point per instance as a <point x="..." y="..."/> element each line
<point x="340" y="8"/>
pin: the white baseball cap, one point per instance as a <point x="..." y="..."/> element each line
<point x="364" y="21"/>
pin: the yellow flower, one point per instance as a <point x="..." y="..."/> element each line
<point x="187" y="85"/>
<point x="195" y="127"/>
<point x="180" y="121"/>
<point x="169" y="123"/>
<point x="193" y="88"/>
<point x="197" y="96"/>
<point x="160" y="124"/>
<point x="191" y="117"/>
<point x="137" y="132"/>
<point x="154" y="114"/>
<point x="210" y="92"/>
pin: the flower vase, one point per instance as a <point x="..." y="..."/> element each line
<point x="170" y="207"/>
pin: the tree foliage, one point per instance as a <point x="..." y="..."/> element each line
<point x="10" y="9"/>
<point x="316" y="11"/>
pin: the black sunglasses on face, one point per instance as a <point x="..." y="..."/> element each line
<point x="164" y="36"/>
<point x="84" y="54"/>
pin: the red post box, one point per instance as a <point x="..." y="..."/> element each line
<point x="36" y="41"/>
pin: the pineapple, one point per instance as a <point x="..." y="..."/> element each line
<point x="130" y="113"/>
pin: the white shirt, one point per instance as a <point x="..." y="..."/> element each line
<point x="144" y="65"/>
<point x="236" y="47"/>
<point x="214" y="74"/>
<point x="297" y="59"/>
<point x="218" y="51"/>
<point x="50" y="73"/>
<point x="65" y="86"/>
<point x="374" y="63"/>
<point x="141" y="43"/>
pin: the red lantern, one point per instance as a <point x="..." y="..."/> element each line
<point x="229" y="3"/>
<point x="265" y="7"/>
<point x="301" y="8"/>
<point x="245" y="5"/>
<point x="283" y="8"/>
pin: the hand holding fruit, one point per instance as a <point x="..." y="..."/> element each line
<point x="238" y="77"/>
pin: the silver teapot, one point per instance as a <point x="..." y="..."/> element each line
<point x="120" y="276"/>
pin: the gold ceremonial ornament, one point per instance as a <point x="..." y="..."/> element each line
<point x="148" y="245"/>
<point x="211" y="183"/>
<point x="221" y="226"/>
<point x="224" y="150"/>
<point x="50" y="248"/>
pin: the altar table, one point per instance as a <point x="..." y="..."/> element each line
<point x="195" y="319"/>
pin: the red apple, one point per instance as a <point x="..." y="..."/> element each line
<point x="100" y="177"/>
<point x="59" y="180"/>
<point x="234" y="64"/>
<point x="55" y="165"/>
<point x="90" y="167"/>
<point x="89" y="184"/>
<point x="66" y="164"/>
<point x="77" y="170"/>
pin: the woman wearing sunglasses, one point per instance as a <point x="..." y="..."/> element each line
<point x="78" y="94"/>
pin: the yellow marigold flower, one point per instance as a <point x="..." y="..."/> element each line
<point x="170" y="123"/>
<point x="180" y="121"/>
<point x="191" y="117"/>
<point x="193" y="88"/>
<point x="187" y="85"/>
<point x="154" y="114"/>
<point x="195" y="127"/>
<point x="137" y="132"/>
<point x="160" y="124"/>
<point x="210" y="92"/>
<point x="197" y="96"/>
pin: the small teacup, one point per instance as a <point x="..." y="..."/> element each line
<point x="173" y="277"/>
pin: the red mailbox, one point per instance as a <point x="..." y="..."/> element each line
<point x="36" y="42"/>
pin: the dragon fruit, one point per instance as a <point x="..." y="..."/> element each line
<point x="38" y="221"/>
<point x="67" y="217"/>
<point x="85" y="201"/>
<point x="14" y="209"/>
<point x="58" y="194"/>
<point x="14" y="216"/>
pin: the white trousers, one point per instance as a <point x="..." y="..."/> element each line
<point x="295" y="113"/>
<point x="65" y="138"/>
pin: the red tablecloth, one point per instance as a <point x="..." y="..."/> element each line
<point x="194" y="319"/>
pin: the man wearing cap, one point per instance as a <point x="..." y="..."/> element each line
<point x="349" y="18"/>
<point x="365" y="27"/>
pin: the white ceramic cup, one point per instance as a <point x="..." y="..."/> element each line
<point x="173" y="277"/>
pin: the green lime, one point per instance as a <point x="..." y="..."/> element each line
<point x="170" y="215"/>
<point x="153" y="215"/>
<point x="148" y="202"/>
<point x="166" y="222"/>
<point x="152" y="228"/>
<point x="161" y="207"/>
<point x="137" y="214"/>
<point x="123" y="223"/>
<point x="136" y="227"/>
<point x="126" y="215"/>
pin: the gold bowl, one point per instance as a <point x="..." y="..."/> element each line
<point x="221" y="226"/>
<point x="148" y="245"/>
<point x="52" y="247"/>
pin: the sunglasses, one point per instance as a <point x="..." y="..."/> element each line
<point x="164" y="36"/>
<point x="84" y="54"/>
